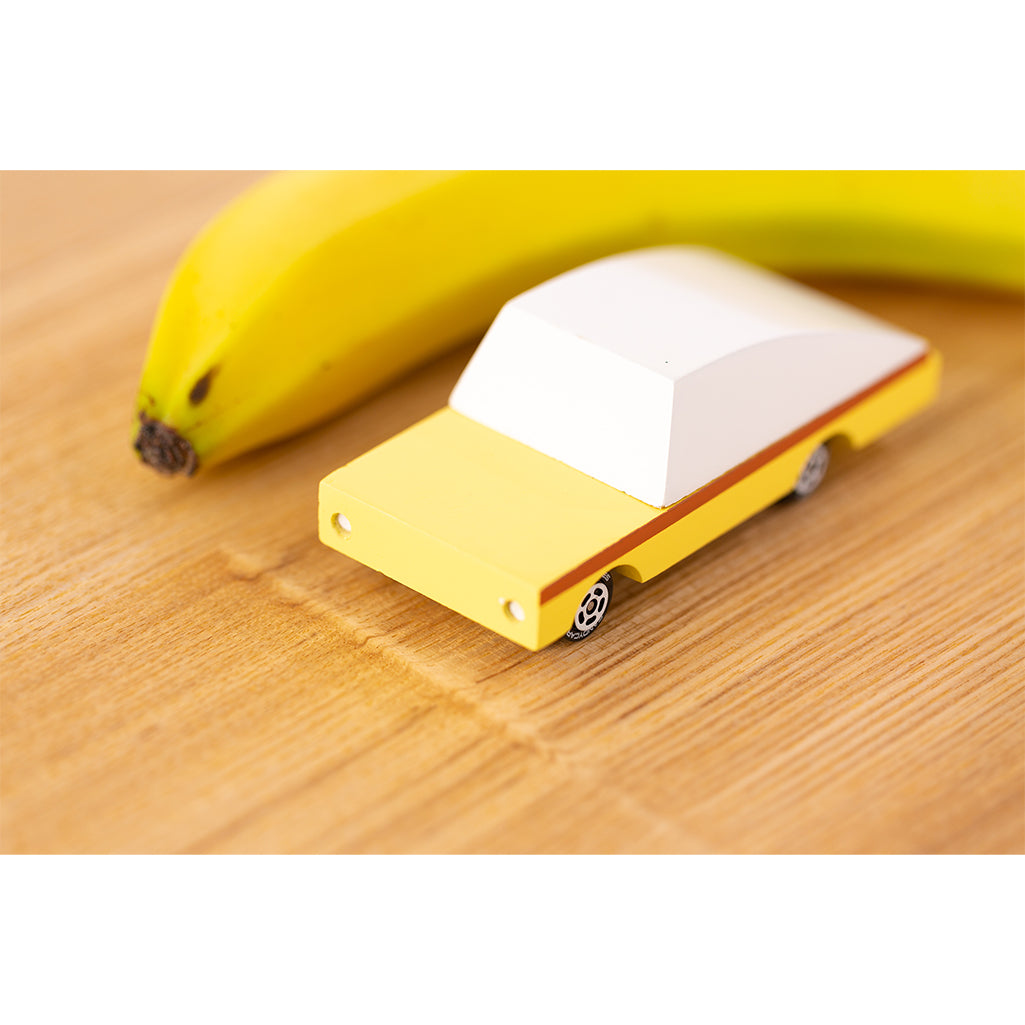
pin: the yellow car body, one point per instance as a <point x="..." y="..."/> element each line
<point x="513" y="539"/>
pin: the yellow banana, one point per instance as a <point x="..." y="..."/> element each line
<point x="313" y="290"/>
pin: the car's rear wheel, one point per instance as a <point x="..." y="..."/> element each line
<point x="592" y="609"/>
<point x="813" y="473"/>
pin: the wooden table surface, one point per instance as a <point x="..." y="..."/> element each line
<point x="186" y="668"/>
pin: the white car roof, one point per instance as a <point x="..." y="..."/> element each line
<point x="655" y="371"/>
<point x="675" y="309"/>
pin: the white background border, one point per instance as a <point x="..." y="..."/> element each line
<point x="538" y="83"/>
<point x="524" y="940"/>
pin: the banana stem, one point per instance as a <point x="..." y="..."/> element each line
<point x="163" y="448"/>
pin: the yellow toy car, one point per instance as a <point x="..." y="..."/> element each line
<point x="615" y="419"/>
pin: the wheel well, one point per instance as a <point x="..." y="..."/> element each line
<point x="627" y="570"/>
<point x="839" y="444"/>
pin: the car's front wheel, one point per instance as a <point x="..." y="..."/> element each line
<point x="592" y="609"/>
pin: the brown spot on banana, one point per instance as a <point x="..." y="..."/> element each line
<point x="202" y="387"/>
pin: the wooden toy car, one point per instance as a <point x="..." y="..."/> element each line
<point x="615" y="419"/>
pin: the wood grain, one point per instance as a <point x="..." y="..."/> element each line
<point x="185" y="667"/>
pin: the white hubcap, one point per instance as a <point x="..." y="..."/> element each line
<point x="592" y="608"/>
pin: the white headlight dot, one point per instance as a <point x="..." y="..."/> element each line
<point x="341" y="523"/>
